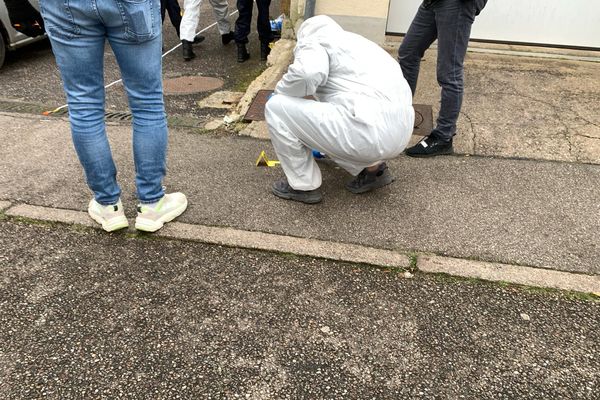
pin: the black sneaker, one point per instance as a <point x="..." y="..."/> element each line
<point x="282" y="188"/>
<point x="199" y="39"/>
<point x="430" y="146"/>
<point x="367" y="181"/>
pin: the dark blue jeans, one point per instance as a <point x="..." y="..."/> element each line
<point x="263" y="25"/>
<point x="448" y="21"/>
<point x="172" y="8"/>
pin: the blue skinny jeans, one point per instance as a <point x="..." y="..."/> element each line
<point x="78" y="30"/>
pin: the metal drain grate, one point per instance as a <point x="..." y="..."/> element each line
<point x="118" y="116"/>
<point x="28" y="108"/>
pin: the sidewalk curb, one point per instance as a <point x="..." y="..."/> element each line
<point x="517" y="274"/>
<point x="231" y="237"/>
<point x="286" y="244"/>
<point x="235" y="238"/>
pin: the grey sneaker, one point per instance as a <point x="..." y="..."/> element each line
<point x="282" y="188"/>
<point x="367" y="181"/>
<point x="152" y="217"/>
<point x="112" y="217"/>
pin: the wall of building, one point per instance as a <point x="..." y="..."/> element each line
<point x="367" y="18"/>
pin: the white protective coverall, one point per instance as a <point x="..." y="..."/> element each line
<point x="364" y="111"/>
<point x="191" y="15"/>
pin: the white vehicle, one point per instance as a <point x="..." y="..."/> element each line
<point x="20" y="24"/>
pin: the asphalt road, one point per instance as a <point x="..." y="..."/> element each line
<point x="84" y="314"/>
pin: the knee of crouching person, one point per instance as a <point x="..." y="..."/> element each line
<point x="273" y="107"/>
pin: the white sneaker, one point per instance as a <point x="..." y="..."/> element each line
<point x="111" y="217"/>
<point x="152" y="217"/>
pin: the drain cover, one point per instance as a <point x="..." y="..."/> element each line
<point x="191" y="84"/>
<point x="423" y="113"/>
<point x="256" y="111"/>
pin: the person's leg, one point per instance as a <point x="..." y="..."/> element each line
<point x="298" y="125"/>
<point x="143" y="83"/>
<point x="263" y="24"/>
<point x="78" y="39"/>
<point x="174" y="14"/>
<point x="421" y="34"/>
<point x="242" y="24"/>
<point x="295" y="156"/>
<point x="189" y="21"/>
<point x="454" y="19"/>
<point x="221" y="11"/>
<point x="163" y="9"/>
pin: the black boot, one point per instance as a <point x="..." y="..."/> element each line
<point x="188" y="51"/>
<point x="226" y="38"/>
<point x="243" y="54"/>
<point x="264" y="50"/>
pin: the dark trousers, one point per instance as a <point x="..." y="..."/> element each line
<point x="448" y="21"/>
<point x="263" y="24"/>
<point x="172" y="7"/>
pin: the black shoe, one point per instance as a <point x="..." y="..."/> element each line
<point x="282" y="188"/>
<point x="243" y="54"/>
<point x="227" y="38"/>
<point x="367" y="181"/>
<point x="264" y="51"/>
<point x="188" y="51"/>
<point x="199" y="39"/>
<point x="430" y="146"/>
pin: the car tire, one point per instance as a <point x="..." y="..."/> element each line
<point x="2" y="49"/>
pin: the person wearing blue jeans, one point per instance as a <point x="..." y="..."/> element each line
<point x="78" y="30"/>
<point x="448" y="21"/>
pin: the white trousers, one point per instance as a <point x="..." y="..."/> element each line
<point x="297" y="126"/>
<point x="191" y="16"/>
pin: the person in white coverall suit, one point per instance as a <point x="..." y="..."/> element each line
<point x="189" y="24"/>
<point x="363" y="114"/>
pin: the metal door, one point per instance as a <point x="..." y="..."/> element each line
<point x="572" y="23"/>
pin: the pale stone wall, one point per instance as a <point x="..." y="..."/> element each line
<point x="367" y="18"/>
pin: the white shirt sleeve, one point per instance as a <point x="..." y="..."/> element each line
<point x="309" y="71"/>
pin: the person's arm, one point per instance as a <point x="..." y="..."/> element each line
<point x="309" y="71"/>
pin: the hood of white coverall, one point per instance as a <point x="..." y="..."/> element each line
<point x="319" y="27"/>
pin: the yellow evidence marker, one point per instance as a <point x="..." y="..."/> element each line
<point x="263" y="161"/>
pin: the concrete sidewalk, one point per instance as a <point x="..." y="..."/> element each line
<point x="542" y="214"/>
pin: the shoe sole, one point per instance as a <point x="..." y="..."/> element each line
<point x="295" y="197"/>
<point x="443" y="153"/>
<point x="384" y="181"/>
<point x="114" y="224"/>
<point x="147" y="225"/>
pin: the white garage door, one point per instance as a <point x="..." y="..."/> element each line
<point x="551" y="22"/>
